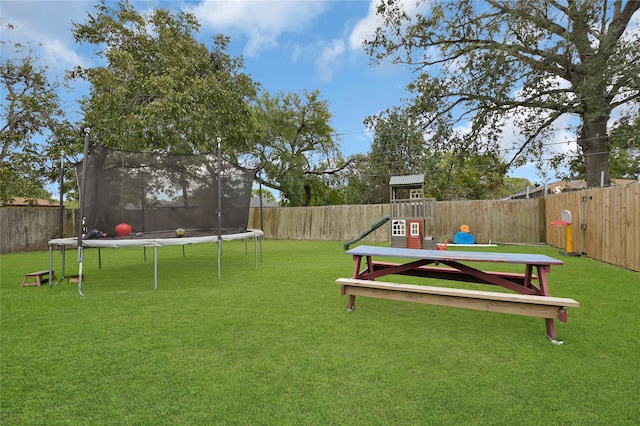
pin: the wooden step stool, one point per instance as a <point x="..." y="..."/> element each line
<point x="36" y="278"/>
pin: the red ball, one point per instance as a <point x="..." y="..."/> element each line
<point x="123" y="230"/>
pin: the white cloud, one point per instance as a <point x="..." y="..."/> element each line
<point x="59" y="53"/>
<point x="262" y="21"/>
<point x="53" y="18"/>
<point x="365" y="28"/>
<point x="329" y="60"/>
<point x="562" y="139"/>
<point x="46" y="26"/>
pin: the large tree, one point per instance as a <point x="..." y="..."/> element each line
<point x="532" y="62"/>
<point x="297" y="145"/>
<point x="399" y="147"/>
<point x="30" y="114"/>
<point x="158" y="87"/>
<point x="624" y="143"/>
<point x="624" y="152"/>
<point x="462" y="174"/>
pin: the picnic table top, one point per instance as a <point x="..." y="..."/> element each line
<point x="456" y="256"/>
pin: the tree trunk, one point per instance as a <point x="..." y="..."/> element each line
<point x="307" y="196"/>
<point x="593" y="141"/>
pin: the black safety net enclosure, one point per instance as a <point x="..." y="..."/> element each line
<point x="157" y="193"/>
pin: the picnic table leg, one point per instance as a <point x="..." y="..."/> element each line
<point x="528" y="276"/>
<point x="352" y="299"/>
<point x="544" y="289"/>
<point x="356" y="268"/>
<point x="551" y="332"/>
<point x="352" y="303"/>
<point x="357" y="261"/>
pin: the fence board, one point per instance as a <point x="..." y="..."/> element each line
<point x="635" y="225"/>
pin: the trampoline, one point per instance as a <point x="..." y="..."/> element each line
<point x="64" y="243"/>
<point x="156" y="193"/>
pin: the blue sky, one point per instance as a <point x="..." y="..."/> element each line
<point x="287" y="46"/>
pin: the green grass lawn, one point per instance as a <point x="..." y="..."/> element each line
<point x="276" y="346"/>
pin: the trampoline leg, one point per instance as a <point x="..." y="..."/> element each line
<point x="80" y="255"/>
<point x="155" y="267"/>
<point x="255" y="251"/>
<point x="64" y="258"/>
<point x="51" y="266"/>
<point x="219" y="253"/>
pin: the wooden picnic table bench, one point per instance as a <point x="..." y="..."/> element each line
<point x="508" y="303"/>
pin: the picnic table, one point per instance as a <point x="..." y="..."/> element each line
<point x="531" y="298"/>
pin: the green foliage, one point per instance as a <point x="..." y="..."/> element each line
<point x="624" y="144"/>
<point x="398" y="148"/>
<point x="265" y="193"/>
<point x="463" y="175"/>
<point x="354" y="184"/>
<point x="326" y="191"/>
<point x="513" y="185"/>
<point x="454" y="172"/>
<point x="624" y="153"/>
<point x="296" y="144"/>
<point x="275" y="345"/>
<point x="531" y="63"/>
<point x="30" y="115"/>
<point x="160" y="88"/>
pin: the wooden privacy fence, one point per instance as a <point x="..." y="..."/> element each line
<point x="30" y="228"/>
<point x="333" y="223"/>
<point x="506" y="221"/>
<point x="606" y="223"/>
<point x="514" y="221"/>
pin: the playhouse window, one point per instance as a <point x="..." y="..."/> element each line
<point x="415" y="229"/>
<point x="415" y="193"/>
<point x="398" y="228"/>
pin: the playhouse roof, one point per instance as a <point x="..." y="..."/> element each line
<point x="406" y="180"/>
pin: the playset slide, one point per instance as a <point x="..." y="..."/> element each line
<point x="373" y="227"/>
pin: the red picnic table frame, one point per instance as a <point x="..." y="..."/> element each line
<point x="424" y="263"/>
